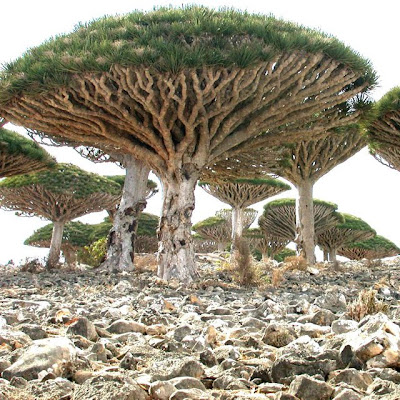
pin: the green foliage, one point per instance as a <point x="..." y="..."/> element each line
<point x="292" y="203"/>
<point x="389" y="102"/>
<point x="170" y="39"/>
<point x="376" y="243"/>
<point x="209" y="222"/>
<point x="75" y="233"/>
<point x="12" y="143"/>
<point x="280" y="257"/>
<point x="65" y="179"/>
<point x="148" y="225"/>
<point x="93" y="254"/>
<point x="354" y="223"/>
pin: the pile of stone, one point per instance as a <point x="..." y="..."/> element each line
<point x="85" y="335"/>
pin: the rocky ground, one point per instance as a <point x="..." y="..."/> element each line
<point x="90" y="335"/>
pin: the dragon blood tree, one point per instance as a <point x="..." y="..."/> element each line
<point x="178" y="89"/>
<point x="349" y="229"/>
<point x="279" y="218"/>
<point x="21" y="156"/>
<point x="76" y="235"/>
<point x="216" y="229"/>
<point x="59" y="195"/>
<point x="269" y="246"/>
<point x="303" y="163"/>
<point x="240" y="193"/>
<point x="249" y="216"/>
<point x="384" y="130"/>
<point x="376" y="247"/>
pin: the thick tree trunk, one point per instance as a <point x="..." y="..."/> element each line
<point x="176" y="249"/>
<point x="332" y="255"/>
<point x="305" y="222"/>
<point x="55" y="245"/>
<point x="237" y="225"/>
<point x="121" y="239"/>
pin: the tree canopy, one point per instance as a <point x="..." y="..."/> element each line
<point x="19" y="155"/>
<point x="375" y="247"/>
<point x="279" y="217"/>
<point x="181" y="88"/>
<point x="350" y="229"/>
<point x="384" y="130"/>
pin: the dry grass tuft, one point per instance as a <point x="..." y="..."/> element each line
<point x="366" y="304"/>
<point x="295" y="263"/>
<point x="146" y="263"/>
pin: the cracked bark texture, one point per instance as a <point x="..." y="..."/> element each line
<point x="194" y="117"/>
<point x="122" y="237"/>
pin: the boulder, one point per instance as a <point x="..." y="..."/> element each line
<point x="306" y="388"/>
<point x="45" y="354"/>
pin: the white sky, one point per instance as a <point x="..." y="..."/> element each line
<point x="360" y="186"/>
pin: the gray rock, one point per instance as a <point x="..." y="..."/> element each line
<point x="359" y="379"/>
<point x="35" y="332"/>
<point x="347" y="394"/>
<point x="110" y="386"/>
<point x="44" y="354"/>
<point x="380" y="387"/>
<point x="208" y="358"/>
<point x="332" y="300"/>
<point x="123" y="326"/>
<point x="324" y="317"/>
<point x="194" y="394"/>
<point x="307" y="388"/>
<point x="161" y="390"/>
<point x="12" y="337"/>
<point x="129" y="361"/>
<point x="343" y="326"/>
<point x="376" y="342"/>
<point x="279" y="335"/>
<point x="83" y="327"/>
<point x="181" y="331"/>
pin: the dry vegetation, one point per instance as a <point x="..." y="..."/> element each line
<point x="366" y="304"/>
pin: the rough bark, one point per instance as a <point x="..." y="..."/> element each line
<point x="176" y="250"/>
<point x="121" y="239"/>
<point x="55" y="245"/>
<point x="305" y="222"/>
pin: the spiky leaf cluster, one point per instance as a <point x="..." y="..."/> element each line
<point x="279" y="217"/>
<point x="373" y="248"/>
<point x="249" y="216"/>
<point x="170" y="39"/>
<point x="268" y="245"/>
<point x="19" y="155"/>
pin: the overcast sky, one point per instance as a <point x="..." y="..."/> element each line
<point x="360" y="186"/>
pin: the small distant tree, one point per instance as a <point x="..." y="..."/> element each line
<point x="76" y="235"/>
<point x="59" y="195"/>
<point x="241" y="193"/>
<point x="249" y="216"/>
<point x="376" y="247"/>
<point x="384" y="130"/>
<point x="215" y="228"/>
<point x="19" y="155"/>
<point x="279" y="217"/>
<point x="269" y="246"/>
<point x="350" y="229"/>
